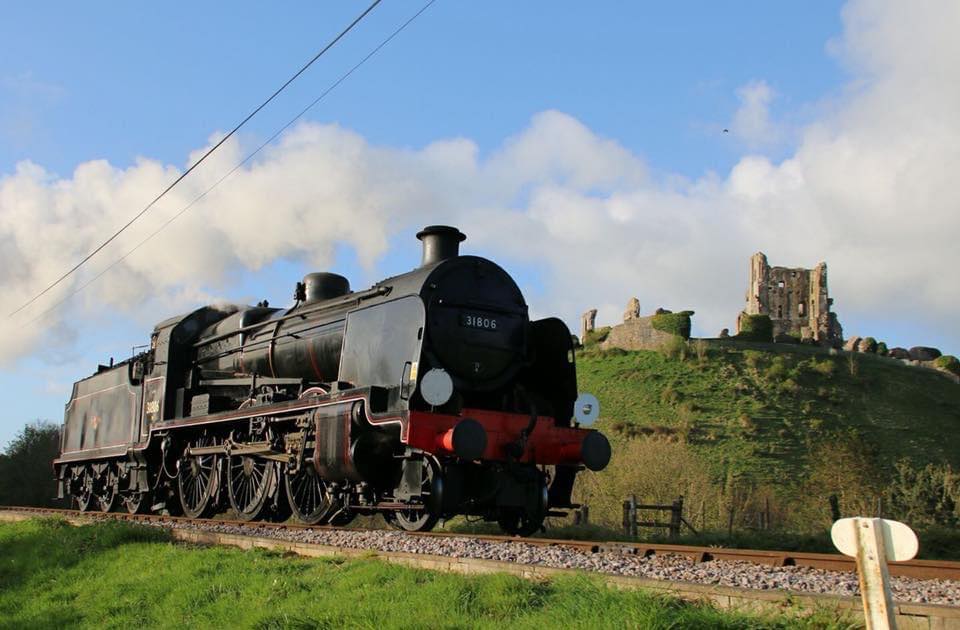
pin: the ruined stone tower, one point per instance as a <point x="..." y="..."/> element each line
<point x="796" y="300"/>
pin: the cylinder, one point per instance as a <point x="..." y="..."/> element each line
<point x="440" y="242"/>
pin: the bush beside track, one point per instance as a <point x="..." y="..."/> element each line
<point x="122" y="575"/>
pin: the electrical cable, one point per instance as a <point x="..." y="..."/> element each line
<point x="240" y="164"/>
<point x="199" y="161"/>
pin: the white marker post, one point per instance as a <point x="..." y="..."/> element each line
<point x="874" y="541"/>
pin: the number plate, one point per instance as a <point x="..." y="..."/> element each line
<point x="478" y="321"/>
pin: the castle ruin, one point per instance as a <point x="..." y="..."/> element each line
<point x="796" y="300"/>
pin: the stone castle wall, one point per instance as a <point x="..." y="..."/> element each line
<point x="636" y="333"/>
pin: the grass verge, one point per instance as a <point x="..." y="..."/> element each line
<point x="117" y="575"/>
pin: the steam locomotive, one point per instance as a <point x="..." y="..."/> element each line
<point x="429" y="395"/>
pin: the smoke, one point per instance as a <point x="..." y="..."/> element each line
<point x="869" y="188"/>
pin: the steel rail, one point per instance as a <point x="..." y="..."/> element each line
<point x="919" y="569"/>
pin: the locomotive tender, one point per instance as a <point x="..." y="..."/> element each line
<point x="430" y="394"/>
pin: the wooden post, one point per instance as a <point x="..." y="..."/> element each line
<point x="766" y="513"/>
<point x="630" y="516"/>
<point x="676" y="515"/>
<point x="874" y="541"/>
<point x="878" y="607"/>
<point x="834" y="507"/>
<point x="585" y="511"/>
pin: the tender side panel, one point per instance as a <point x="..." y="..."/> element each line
<point x="103" y="412"/>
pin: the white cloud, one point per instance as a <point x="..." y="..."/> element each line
<point x="870" y="188"/>
<point x="752" y="123"/>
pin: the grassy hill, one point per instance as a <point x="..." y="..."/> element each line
<point x="763" y="409"/>
<point x="721" y="420"/>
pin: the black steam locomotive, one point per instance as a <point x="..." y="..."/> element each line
<point x="428" y="395"/>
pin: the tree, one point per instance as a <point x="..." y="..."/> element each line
<point x="26" y="471"/>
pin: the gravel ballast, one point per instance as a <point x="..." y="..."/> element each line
<point x="659" y="567"/>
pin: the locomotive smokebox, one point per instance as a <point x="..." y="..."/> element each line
<point x="440" y="242"/>
<point x="324" y="286"/>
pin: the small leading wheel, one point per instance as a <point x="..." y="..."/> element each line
<point x="83" y="492"/>
<point x="425" y="517"/>
<point x="250" y="483"/>
<point x="307" y="495"/>
<point x="107" y="490"/>
<point x="198" y="482"/>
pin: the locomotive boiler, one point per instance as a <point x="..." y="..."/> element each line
<point x="429" y="395"/>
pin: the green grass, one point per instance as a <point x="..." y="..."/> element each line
<point x="116" y="575"/>
<point x="762" y="409"/>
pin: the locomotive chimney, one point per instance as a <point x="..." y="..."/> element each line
<point x="439" y="243"/>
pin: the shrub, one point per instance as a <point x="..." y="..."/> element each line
<point x="674" y="348"/>
<point x="790" y="386"/>
<point x="746" y="423"/>
<point x="598" y="335"/>
<point x="949" y="363"/>
<point x="673" y="323"/>
<point x="777" y="370"/>
<point x="925" y="496"/>
<point x="700" y="348"/>
<point x="26" y="477"/>
<point x="882" y="349"/>
<point x="606" y="352"/>
<point x="853" y="365"/>
<point x="868" y="344"/>
<point x="755" y="328"/>
<point x="841" y="464"/>
<point x="824" y="368"/>
<point x="754" y="359"/>
<point x="670" y="396"/>
<point x="657" y="469"/>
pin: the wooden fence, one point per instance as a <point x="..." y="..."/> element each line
<point x="632" y="509"/>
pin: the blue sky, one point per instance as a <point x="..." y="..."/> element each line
<point x="121" y="81"/>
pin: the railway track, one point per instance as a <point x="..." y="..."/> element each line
<point x="918" y="569"/>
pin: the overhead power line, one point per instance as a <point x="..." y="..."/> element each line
<point x="242" y="162"/>
<point x="199" y="161"/>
